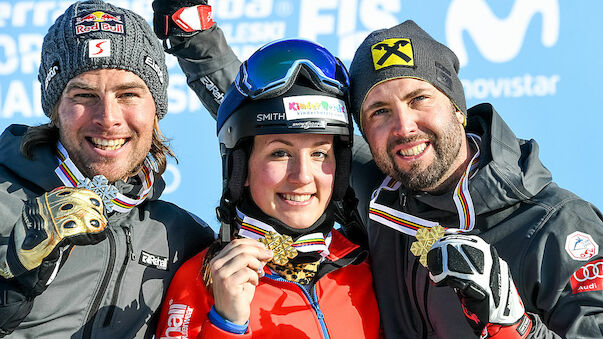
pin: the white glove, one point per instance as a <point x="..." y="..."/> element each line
<point x="483" y="284"/>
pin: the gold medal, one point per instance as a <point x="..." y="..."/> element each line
<point x="426" y="237"/>
<point x="280" y="245"/>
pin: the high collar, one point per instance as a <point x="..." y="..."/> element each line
<point x="324" y="224"/>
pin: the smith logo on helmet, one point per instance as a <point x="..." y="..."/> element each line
<point x="270" y="117"/>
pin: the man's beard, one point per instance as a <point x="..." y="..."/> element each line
<point x="446" y="148"/>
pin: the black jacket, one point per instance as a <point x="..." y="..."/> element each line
<point x="520" y="211"/>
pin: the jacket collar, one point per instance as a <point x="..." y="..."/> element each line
<point x="509" y="170"/>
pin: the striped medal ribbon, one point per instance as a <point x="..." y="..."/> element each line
<point x="410" y="224"/>
<point x="254" y="229"/>
<point x="112" y="199"/>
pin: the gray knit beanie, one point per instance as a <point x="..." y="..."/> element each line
<point x="403" y="51"/>
<point x="94" y="35"/>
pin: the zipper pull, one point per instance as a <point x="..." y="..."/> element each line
<point x="130" y="252"/>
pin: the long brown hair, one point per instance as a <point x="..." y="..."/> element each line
<point x="49" y="134"/>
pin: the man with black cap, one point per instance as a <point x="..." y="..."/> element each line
<point x="449" y="196"/>
<point x="87" y="248"/>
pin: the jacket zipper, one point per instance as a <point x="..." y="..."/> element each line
<point x="415" y="268"/>
<point x="313" y="302"/>
<point x="129" y="255"/>
<point x="87" y="333"/>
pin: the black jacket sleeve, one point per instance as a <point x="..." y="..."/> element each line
<point x="209" y="64"/>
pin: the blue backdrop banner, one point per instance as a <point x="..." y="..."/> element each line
<point x="538" y="62"/>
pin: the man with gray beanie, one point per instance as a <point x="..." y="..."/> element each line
<point x="87" y="248"/>
<point x="469" y="235"/>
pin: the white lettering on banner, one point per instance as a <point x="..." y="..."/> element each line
<point x="179" y="316"/>
<point x="172" y="186"/>
<point x="44" y="13"/>
<point x="8" y="52"/>
<point x="235" y="9"/>
<point x="245" y="32"/>
<point x="349" y="13"/>
<point x="181" y="98"/>
<point x="31" y="13"/>
<point x="23" y="50"/>
<point x="515" y="87"/>
<point x="498" y="40"/>
<point x="17" y="100"/>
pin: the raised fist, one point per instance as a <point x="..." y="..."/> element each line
<point x="181" y="18"/>
<point x="483" y="284"/>
<point x="64" y="216"/>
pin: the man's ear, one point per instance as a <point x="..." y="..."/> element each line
<point x="462" y="119"/>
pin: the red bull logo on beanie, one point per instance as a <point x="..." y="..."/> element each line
<point x="99" y="21"/>
<point x="392" y="52"/>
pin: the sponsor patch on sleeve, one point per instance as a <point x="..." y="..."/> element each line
<point x="393" y="52"/>
<point x="581" y="246"/>
<point x="315" y="107"/>
<point x="179" y="316"/>
<point x="588" y="278"/>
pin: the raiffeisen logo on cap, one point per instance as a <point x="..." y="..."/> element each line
<point x="315" y="107"/>
<point x="99" y="21"/>
<point x="393" y="52"/>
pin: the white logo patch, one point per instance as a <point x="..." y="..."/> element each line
<point x="99" y="48"/>
<point x="149" y="61"/>
<point x="52" y="72"/>
<point x="581" y="246"/>
<point x="315" y="107"/>
<point x="153" y="260"/>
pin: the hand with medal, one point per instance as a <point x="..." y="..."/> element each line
<point x="235" y="272"/>
<point x="50" y="222"/>
<point x="483" y="283"/>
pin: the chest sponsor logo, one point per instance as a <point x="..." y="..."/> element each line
<point x="588" y="277"/>
<point x="179" y="317"/>
<point x="99" y="21"/>
<point x="392" y="52"/>
<point x="581" y="246"/>
<point x="153" y="260"/>
<point x="99" y="48"/>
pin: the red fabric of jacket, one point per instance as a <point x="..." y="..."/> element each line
<point x="346" y="306"/>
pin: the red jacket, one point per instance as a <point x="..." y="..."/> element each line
<point x="282" y="309"/>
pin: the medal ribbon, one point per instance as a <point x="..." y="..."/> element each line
<point x="409" y="224"/>
<point x="113" y="200"/>
<point x="254" y="229"/>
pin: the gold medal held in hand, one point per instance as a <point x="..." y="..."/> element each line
<point x="280" y="245"/>
<point x="426" y="237"/>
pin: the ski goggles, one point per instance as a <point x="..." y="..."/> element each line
<point x="272" y="69"/>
